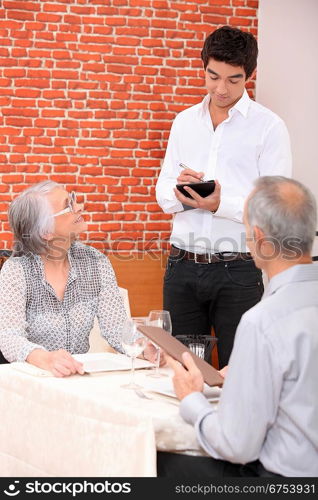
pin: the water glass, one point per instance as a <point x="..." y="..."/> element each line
<point x="162" y="319"/>
<point x="133" y="343"/>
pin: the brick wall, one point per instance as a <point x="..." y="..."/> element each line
<point x="88" y="92"/>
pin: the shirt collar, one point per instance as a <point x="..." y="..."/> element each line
<point x="298" y="273"/>
<point x="241" y="105"/>
<point x="204" y="105"/>
<point x="39" y="268"/>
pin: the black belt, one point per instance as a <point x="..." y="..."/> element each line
<point x="208" y="258"/>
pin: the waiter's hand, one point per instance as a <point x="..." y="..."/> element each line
<point x="210" y="203"/>
<point x="223" y="371"/>
<point x="186" y="380"/>
<point x="187" y="175"/>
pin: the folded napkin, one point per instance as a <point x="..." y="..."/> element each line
<point x="31" y="369"/>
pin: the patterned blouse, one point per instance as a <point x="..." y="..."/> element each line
<point x="31" y="315"/>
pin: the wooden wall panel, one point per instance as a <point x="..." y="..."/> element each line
<point x="142" y="275"/>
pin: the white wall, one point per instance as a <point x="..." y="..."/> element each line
<point x="287" y="77"/>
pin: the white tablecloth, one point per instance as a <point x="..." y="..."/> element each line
<point x="85" y="426"/>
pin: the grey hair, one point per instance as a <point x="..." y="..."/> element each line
<point x="30" y="218"/>
<point x="286" y="211"/>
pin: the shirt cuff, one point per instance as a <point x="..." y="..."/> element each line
<point x="192" y="406"/>
<point x="230" y="208"/>
<point x="27" y="349"/>
<point x="171" y="206"/>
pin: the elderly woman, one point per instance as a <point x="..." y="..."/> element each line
<point x="53" y="285"/>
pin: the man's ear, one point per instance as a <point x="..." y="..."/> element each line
<point x="258" y="234"/>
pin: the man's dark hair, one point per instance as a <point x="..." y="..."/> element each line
<point x="232" y="46"/>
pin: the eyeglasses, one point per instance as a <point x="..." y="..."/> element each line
<point x="71" y="205"/>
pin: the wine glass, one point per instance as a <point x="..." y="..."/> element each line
<point x="133" y="342"/>
<point x="162" y="319"/>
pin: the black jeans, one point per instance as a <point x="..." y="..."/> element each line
<point x="193" y="468"/>
<point x="200" y="296"/>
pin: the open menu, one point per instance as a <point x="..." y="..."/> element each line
<point x="175" y="348"/>
<point x="109" y="361"/>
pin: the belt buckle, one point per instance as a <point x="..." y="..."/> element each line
<point x="197" y="262"/>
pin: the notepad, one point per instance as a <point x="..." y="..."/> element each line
<point x="201" y="188"/>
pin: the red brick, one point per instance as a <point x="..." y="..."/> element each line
<point x="111" y="226"/>
<point x="114" y="207"/>
<point x="143" y="172"/>
<point x="184" y="6"/>
<point x="6" y="236"/>
<point x="125" y="216"/>
<point x="41" y="122"/>
<point x="66" y="75"/>
<point x="240" y="21"/>
<point x="64" y="179"/>
<point x="21" y="15"/>
<point x="33" y="131"/>
<point x="40" y="83"/>
<point x="59" y="159"/>
<point x="5" y="82"/>
<point x="12" y="179"/>
<point x="246" y="12"/>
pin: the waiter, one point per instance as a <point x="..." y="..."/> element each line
<point x="211" y="279"/>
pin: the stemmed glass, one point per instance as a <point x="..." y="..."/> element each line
<point x="133" y="342"/>
<point x="162" y="319"/>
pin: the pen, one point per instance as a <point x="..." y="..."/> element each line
<point x="182" y="165"/>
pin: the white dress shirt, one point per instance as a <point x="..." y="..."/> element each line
<point x="269" y="403"/>
<point x="253" y="141"/>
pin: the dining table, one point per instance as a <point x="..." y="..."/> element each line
<point x="87" y="425"/>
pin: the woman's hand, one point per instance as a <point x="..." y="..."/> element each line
<point x="60" y="362"/>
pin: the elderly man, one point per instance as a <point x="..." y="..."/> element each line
<point x="266" y="423"/>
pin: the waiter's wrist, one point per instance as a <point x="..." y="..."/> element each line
<point x="215" y="209"/>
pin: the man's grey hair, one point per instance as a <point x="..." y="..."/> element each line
<point x="30" y="218"/>
<point x="285" y="210"/>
